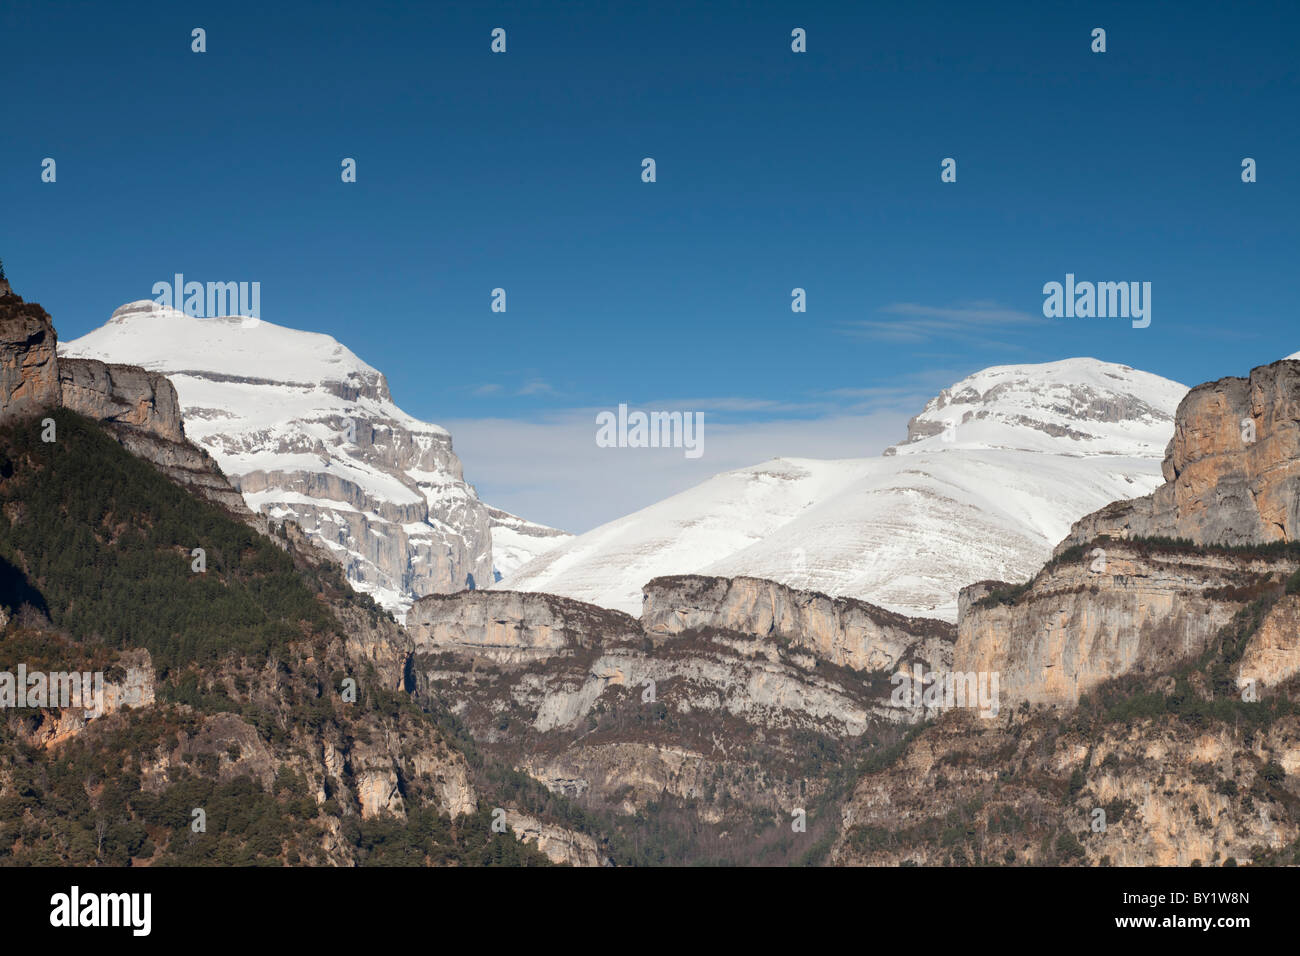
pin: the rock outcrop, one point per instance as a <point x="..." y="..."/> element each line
<point x="121" y="395"/>
<point x="1232" y="469"/>
<point x="134" y="687"/>
<point x="1118" y="610"/>
<point x="1033" y="790"/>
<point x="139" y="407"/>
<point x="1122" y="595"/>
<point x="29" y="373"/>
<point x="716" y="698"/>
<point x="309" y="433"/>
<point x="142" y="412"/>
<point x="511" y="627"/>
<point x="559" y="844"/>
<point x="843" y="631"/>
<point x="1272" y="655"/>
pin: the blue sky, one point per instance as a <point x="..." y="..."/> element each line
<point x="775" y="170"/>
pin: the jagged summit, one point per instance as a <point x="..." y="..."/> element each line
<point x="1035" y="448"/>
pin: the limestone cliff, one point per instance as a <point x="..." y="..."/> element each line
<point x="1232" y="469"/>
<point x="29" y="375"/>
<point x="843" y="631"/>
<point x="1163" y="634"/>
<point x="560" y="845"/>
<point x="724" y="700"/>
<point x="1089" y="617"/>
<point x="142" y="411"/>
<point x="140" y="407"/>
<point x="510" y="626"/>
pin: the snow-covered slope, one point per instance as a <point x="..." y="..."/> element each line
<point x="308" y="431"/>
<point x="516" y="541"/>
<point x="993" y="473"/>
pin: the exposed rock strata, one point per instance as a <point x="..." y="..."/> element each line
<point x="1232" y="469"/>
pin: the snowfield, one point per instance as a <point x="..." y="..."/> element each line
<point x="994" y="471"/>
<point x="309" y="432"/>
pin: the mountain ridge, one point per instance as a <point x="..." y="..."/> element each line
<point x="308" y="431"/>
<point x="989" y="480"/>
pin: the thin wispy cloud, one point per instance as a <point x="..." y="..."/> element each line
<point x="916" y="322"/>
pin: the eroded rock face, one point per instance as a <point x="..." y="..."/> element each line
<point x="560" y="845"/>
<point x="1172" y="795"/>
<point x="843" y="631"/>
<point x="716" y="698"/>
<point x="134" y="687"/>
<point x="123" y="395"/>
<point x="1083" y="622"/>
<point x="29" y="374"/>
<point x="1232" y="469"/>
<point x="511" y="627"/>
<point x="142" y="412"/>
<point x="139" y="407"/>
<point x="310" y="433"/>
<point x="1272" y="655"/>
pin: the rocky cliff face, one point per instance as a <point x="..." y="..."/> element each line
<point x="142" y="412"/>
<point x="139" y="407"/>
<point x="309" y="432"/>
<point x="121" y="395"/>
<point x="1232" y="469"/>
<point x="133" y="688"/>
<point x="29" y="375"/>
<point x="509" y="627"/>
<point x="1031" y="790"/>
<point x="1114" y="601"/>
<point x="1272" y="656"/>
<point x="560" y="845"/>
<point x="1118" y="609"/>
<point x="715" y="701"/>
<point x="1164" y="632"/>
<point x="844" y="631"/>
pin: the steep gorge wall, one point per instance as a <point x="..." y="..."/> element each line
<point x="1130" y="605"/>
<point x="29" y="371"/>
<point x="1083" y="621"/>
<point x="139" y="407"/>
<point x="512" y="627"/>
<point x="1232" y="469"/>
<point x="844" y="631"/>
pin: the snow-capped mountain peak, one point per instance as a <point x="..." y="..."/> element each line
<point x="1030" y="449"/>
<point x="308" y="431"/>
<point x="1078" y="406"/>
<point x="232" y="345"/>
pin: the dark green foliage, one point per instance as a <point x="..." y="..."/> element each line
<point x="106" y="541"/>
<point x="1009" y="594"/>
<point x="1068" y="846"/>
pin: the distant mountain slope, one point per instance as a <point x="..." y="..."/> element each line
<point x="516" y="541"/>
<point x="994" y="471"/>
<point x="308" y="431"/>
